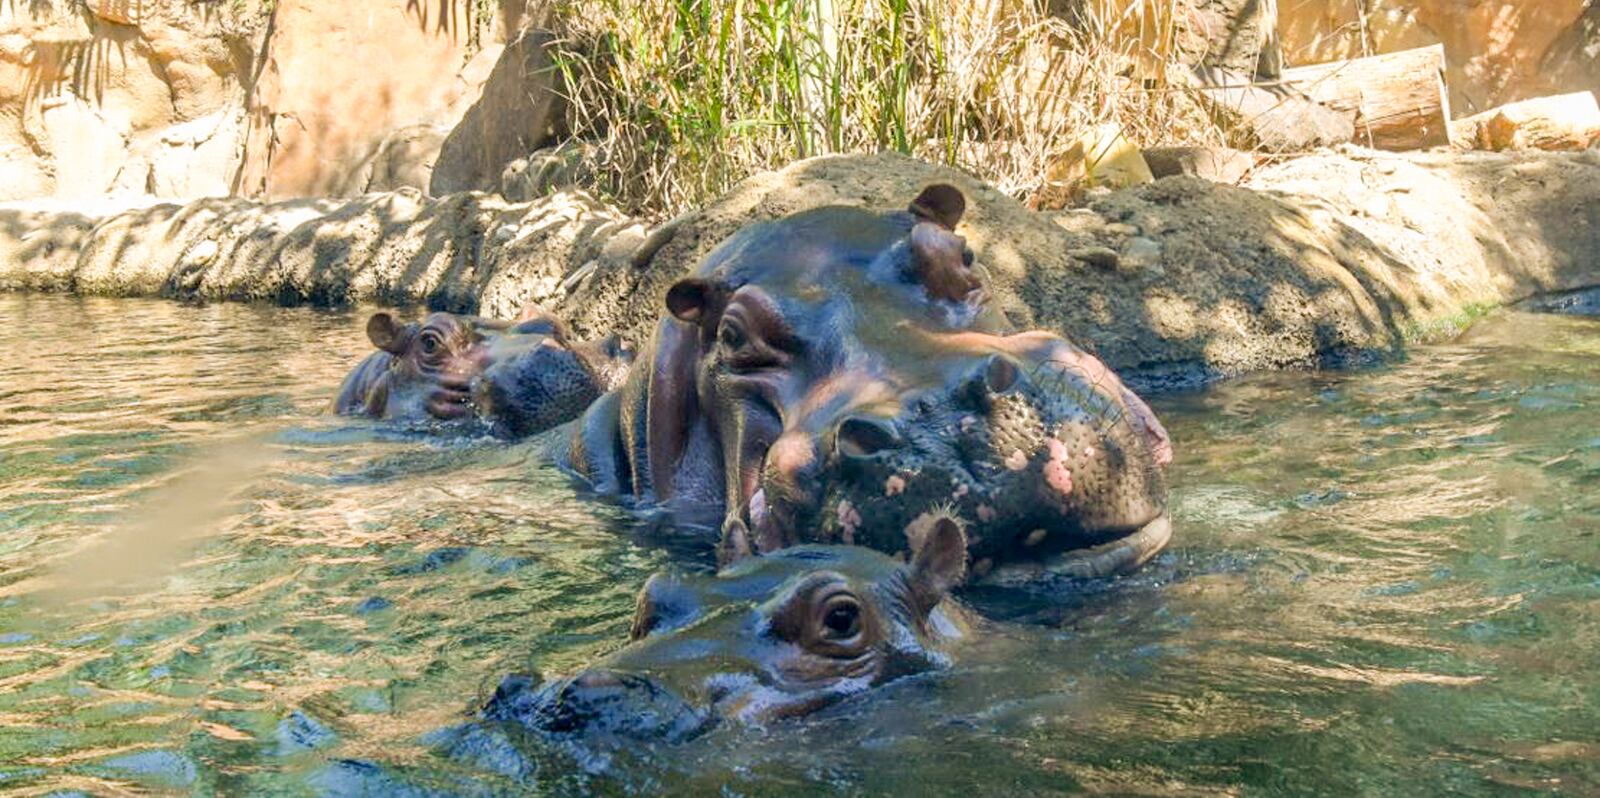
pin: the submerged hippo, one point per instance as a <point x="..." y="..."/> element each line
<point x="767" y="638"/>
<point x="821" y="361"/>
<point x="520" y="377"/>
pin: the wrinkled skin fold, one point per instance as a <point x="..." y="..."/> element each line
<point x="517" y="377"/>
<point x="770" y="637"/>
<point x="839" y="376"/>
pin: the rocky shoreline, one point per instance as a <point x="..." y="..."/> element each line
<point x="1311" y="261"/>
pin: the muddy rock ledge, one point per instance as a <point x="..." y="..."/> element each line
<point x="1314" y="261"/>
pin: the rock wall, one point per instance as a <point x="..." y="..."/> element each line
<point x="336" y="79"/>
<point x="1314" y="261"/>
<point x="1498" y="51"/>
<point x="180" y="100"/>
<point x="94" y="102"/>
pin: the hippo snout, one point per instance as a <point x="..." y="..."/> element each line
<point x="597" y="702"/>
<point x="533" y="390"/>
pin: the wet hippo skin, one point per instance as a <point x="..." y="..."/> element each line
<point x="769" y="637"/>
<point x="839" y="376"/>
<point x="518" y="377"/>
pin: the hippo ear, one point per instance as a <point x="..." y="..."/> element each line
<point x="696" y="300"/>
<point x="940" y="203"/>
<point x="735" y="544"/>
<point x="940" y="564"/>
<point x="533" y="318"/>
<point x="386" y="333"/>
<point x="940" y="261"/>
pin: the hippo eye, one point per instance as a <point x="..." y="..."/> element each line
<point x="841" y="618"/>
<point x="431" y="343"/>
<point x="732" y="337"/>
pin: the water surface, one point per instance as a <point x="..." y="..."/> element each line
<point x="1384" y="582"/>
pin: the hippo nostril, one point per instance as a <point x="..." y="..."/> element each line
<point x="864" y="437"/>
<point x="1000" y="374"/>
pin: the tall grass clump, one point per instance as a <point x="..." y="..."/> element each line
<point x="686" y="97"/>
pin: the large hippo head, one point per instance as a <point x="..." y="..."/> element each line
<point x="767" y="638"/>
<point x="821" y="361"/>
<point x="1034" y="444"/>
<point x="520" y="377"/>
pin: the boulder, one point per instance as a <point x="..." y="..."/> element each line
<point x="404" y="159"/>
<point x="199" y="158"/>
<point x="1217" y="164"/>
<point x="86" y="148"/>
<point x="551" y="169"/>
<point x="1184" y="280"/>
<point x="338" y="78"/>
<point x="468" y="252"/>
<point x="1272" y="117"/>
<point x="519" y="111"/>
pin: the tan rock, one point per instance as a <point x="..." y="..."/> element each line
<point x="519" y="111"/>
<point x="86" y="148"/>
<point x="1217" y="164"/>
<point x="199" y="158"/>
<point x="1274" y="118"/>
<point x="1564" y="122"/>
<point x="404" y="159"/>
<point x="1499" y="51"/>
<point x="337" y="79"/>
<point x="91" y="96"/>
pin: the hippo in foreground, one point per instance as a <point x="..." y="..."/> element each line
<point x="839" y="375"/>
<point x="519" y="377"/>
<point x="769" y="637"/>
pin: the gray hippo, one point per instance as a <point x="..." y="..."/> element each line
<point x="767" y="638"/>
<point x="839" y="376"/>
<point x="519" y="377"/>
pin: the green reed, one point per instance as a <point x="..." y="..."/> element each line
<point x="686" y="97"/>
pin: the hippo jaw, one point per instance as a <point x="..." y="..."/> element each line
<point x="1034" y="445"/>
<point x="770" y="638"/>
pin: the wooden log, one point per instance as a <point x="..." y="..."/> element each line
<point x="1399" y="99"/>
<point x="1560" y="122"/>
<point x="1269" y="116"/>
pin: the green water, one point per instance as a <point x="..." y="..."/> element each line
<point x="1384" y="582"/>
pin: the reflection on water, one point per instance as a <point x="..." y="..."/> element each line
<point x="1385" y="582"/>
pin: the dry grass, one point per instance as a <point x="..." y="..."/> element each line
<point x="686" y="97"/>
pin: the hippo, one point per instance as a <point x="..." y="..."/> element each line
<point x="766" y="638"/>
<point x="1033" y="442"/>
<point x="519" y="377"/>
<point x="814" y="363"/>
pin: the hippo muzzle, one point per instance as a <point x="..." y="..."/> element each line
<point x="598" y="702"/>
<point x="536" y="382"/>
<point x="1033" y="444"/>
